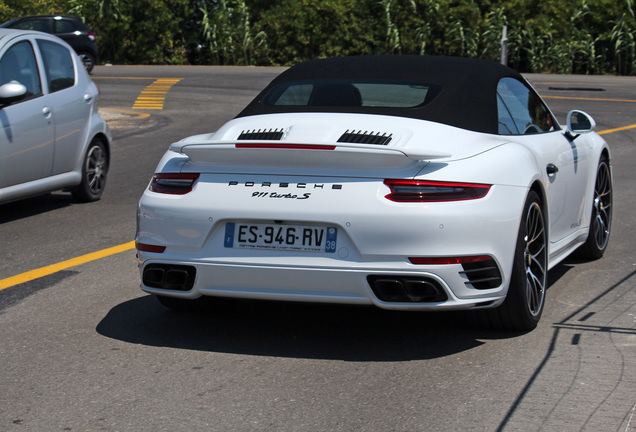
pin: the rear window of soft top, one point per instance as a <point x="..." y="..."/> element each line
<point x="352" y="93"/>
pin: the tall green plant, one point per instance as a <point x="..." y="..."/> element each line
<point x="622" y="42"/>
<point x="581" y="36"/>
<point x="462" y="40"/>
<point x="111" y="20"/>
<point x="299" y="30"/>
<point x="139" y="32"/>
<point x="424" y="30"/>
<point x="228" y="34"/>
<point x="10" y="9"/>
<point x="393" y="43"/>
<point x="490" y="41"/>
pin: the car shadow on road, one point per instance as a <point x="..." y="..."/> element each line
<point x="25" y="208"/>
<point x="314" y="331"/>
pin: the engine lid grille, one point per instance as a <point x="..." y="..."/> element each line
<point x="262" y="134"/>
<point x="360" y="137"/>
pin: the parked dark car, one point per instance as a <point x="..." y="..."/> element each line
<point x="70" y="29"/>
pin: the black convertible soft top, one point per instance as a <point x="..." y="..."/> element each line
<point x="467" y="96"/>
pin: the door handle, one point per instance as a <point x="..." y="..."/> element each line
<point x="552" y="169"/>
<point x="88" y="98"/>
<point x="46" y="112"/>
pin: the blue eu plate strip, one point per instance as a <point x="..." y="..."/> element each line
<point x="332" y="234"/>
<point x="229" y="235"/>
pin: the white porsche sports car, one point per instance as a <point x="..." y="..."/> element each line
<point x="405" y="182"/>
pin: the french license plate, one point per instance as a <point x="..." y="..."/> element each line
<point x="281" y="237"/>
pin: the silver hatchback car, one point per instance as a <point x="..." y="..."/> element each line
<point x="52" y="136"/>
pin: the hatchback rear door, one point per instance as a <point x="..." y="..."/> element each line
<point x="71" y="103"/>
<point x="27" y="129"/>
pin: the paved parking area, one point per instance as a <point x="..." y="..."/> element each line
<point x="586" y="380"/>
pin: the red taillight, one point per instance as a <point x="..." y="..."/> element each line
<point x="173" y="183"/>
<point x="149" y="248"/>
<point x="448" y="260"/>
<point x="286" y="146"/>
<point x="433" y="191"/>
<point x="92" y="36"/>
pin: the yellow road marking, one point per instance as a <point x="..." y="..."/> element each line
<point x="617" y="129"/>
<point x="130" y="78"/>
<point x="159" y="88"/>
<point x="584" y="83"/>
<point x="588" y="99"/>
<point x="54" y="268"/>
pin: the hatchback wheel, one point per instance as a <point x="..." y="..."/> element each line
<point x="94" y="172"/>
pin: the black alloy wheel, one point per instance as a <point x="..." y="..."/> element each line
<point x="525" y="299"/>
<point x="87" y="60"/>
<point x="601" y="219"/>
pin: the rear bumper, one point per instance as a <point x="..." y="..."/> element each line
<point x="376" y="239"/>
<point x="352" y="285"/>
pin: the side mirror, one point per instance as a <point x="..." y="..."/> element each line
<point x="580" y="122"/>
<point x="11" y="92"/>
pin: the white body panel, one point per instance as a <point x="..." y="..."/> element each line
<point x="343" y="188"/>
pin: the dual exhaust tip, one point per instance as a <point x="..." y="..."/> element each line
<point x="169" y="277"/>
<point x="406" y="289"/>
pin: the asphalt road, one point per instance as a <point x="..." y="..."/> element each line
<point x="82" y="348"/>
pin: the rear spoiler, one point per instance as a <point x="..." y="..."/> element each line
<point x="195" y="150"/>
<point x="332" y="159"/>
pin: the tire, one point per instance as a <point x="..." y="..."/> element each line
<point x="601" y="219"/>
<point x="201" y="304"/>
<point x="87" y="60"/>
<point x="94" y="172"/>
<point x="525" y="300"/>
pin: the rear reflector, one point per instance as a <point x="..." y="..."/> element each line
<point x="433" y="191"/>
<point x="286" y="146"/>
<point x="149" y="248"/>
<point x="448" y="260"/>
<point x="173" y="183"/>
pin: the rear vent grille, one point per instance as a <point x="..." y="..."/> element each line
<point x="482" y="274"/>
<point x="360" y="137"/>
<point x="268" y="135"/>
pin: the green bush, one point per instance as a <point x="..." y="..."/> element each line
<point x="561" y="36"/>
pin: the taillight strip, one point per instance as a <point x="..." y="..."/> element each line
<point x="408" y="190"/>
<point x="286" y="146"/>
<point x="144" y="247"/>
<point x="173" y="183"/>
<point x="449" y="260"/>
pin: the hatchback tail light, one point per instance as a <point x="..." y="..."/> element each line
<point x="173" y="183"/>
<point x="92" y="36"/>
<point x="433" y="191"/>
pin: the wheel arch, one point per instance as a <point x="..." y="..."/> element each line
<point x="538" y="187"/>
<point x="606" y="153"/>
<point x="104" y="139"/>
